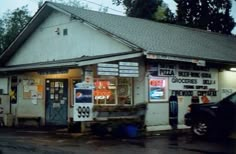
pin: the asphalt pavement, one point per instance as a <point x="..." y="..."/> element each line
<point x="23" y="140"/>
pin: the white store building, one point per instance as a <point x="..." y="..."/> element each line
<point x="129" y="61"/>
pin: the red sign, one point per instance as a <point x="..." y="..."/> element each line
<point x="101" y="84"/>
<point x="157" y="83"/>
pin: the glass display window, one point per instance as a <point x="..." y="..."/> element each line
<point x="113" y="91"/>
<point x="105" y="91"/>
<point x="124" y="91"/>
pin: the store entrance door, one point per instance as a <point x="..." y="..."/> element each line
<point x="56" y="102"/>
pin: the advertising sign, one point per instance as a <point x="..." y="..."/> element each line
<point x="192" y="79"/>
<point x="173" y="111"/>
<point x="157" y="89"/>
<point x="83" y="102"/>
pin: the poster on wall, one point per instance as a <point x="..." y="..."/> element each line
<point x="31" y="90"/>
<point x="83" y="102"/>
<point x="158" y="89"/>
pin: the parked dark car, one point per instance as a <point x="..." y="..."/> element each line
<point x="212" y="119"/>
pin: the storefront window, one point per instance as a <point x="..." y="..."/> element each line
<point x="124" y="91"/>
<point x="158" y="89"/>
<point x="112" y="91"/>
<point x="105" y="91"/>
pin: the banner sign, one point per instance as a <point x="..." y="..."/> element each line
<point x="189" y="79"/>
<point x="83" y="102"/>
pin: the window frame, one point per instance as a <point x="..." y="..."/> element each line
<point x="116" y="92"/>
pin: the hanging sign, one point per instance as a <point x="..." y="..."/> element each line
<point x="107" y="69"/>
<point x="83" y="102"/>
<point x="128" y="69"/>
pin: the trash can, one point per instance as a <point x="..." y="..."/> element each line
<point x="132" y="131"/>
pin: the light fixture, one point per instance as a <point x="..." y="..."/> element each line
<point x="233" y="69"/>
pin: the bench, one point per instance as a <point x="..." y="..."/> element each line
<point x="22" y="119"/>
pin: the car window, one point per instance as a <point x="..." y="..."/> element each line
<point x="232" y="98"/>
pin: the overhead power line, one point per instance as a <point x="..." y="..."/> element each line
<point x="102" y="6"/>
<point x="94" y="3"/>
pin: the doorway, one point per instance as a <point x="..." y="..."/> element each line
<point x="56" y="102"/>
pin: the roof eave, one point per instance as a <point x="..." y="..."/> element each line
<point x="192" y="58"/>
<point x="73" y="63"/>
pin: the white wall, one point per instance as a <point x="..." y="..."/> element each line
<point x="4" y="105"/>
<point x="4" y="85"/>
<point x="227" y="80"/>
<point x="139" y="84"/>
<point x="46" y="45"/>
<point x="25" y="106"/>
<point x="158" y="112"/>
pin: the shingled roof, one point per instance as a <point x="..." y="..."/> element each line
<point x="158" y="38"/>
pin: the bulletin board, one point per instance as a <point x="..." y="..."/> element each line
<point x="32" y="89"/>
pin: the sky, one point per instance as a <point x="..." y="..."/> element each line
<point x="11" y="5"/>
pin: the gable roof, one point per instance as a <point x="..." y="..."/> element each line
<point x="150" y="36"/>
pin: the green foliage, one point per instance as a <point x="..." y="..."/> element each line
<point x="11" y="25"/>
<point x="1" y="36"/>
<point x="140" y="8"/>
<point x="212" y="15"/>
<point x="164" y="14"/>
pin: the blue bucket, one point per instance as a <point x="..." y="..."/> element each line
<point x="131" y="131"/>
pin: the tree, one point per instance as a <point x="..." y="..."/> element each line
<point x="1" y="36"/>
<point x="11" y="25"/>
<point x="212" y="15"/>
<point x="147" y="9"/>
<point x="140" y="8"/>
<point x="164" y="14"/>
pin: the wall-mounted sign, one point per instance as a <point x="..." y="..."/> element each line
<point x="107" y="69"/>
<point x="194" y="78"/>
<point x="152" y="69"/>
<point x="128" y="69"/>
<point x="166" y="70"/>
<point x="165" y="57"/>
<point x="83" y="102"/>
<point x="57" y="71"/>
<point x="124" y="69"/>
<point x="158" y="89"/>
